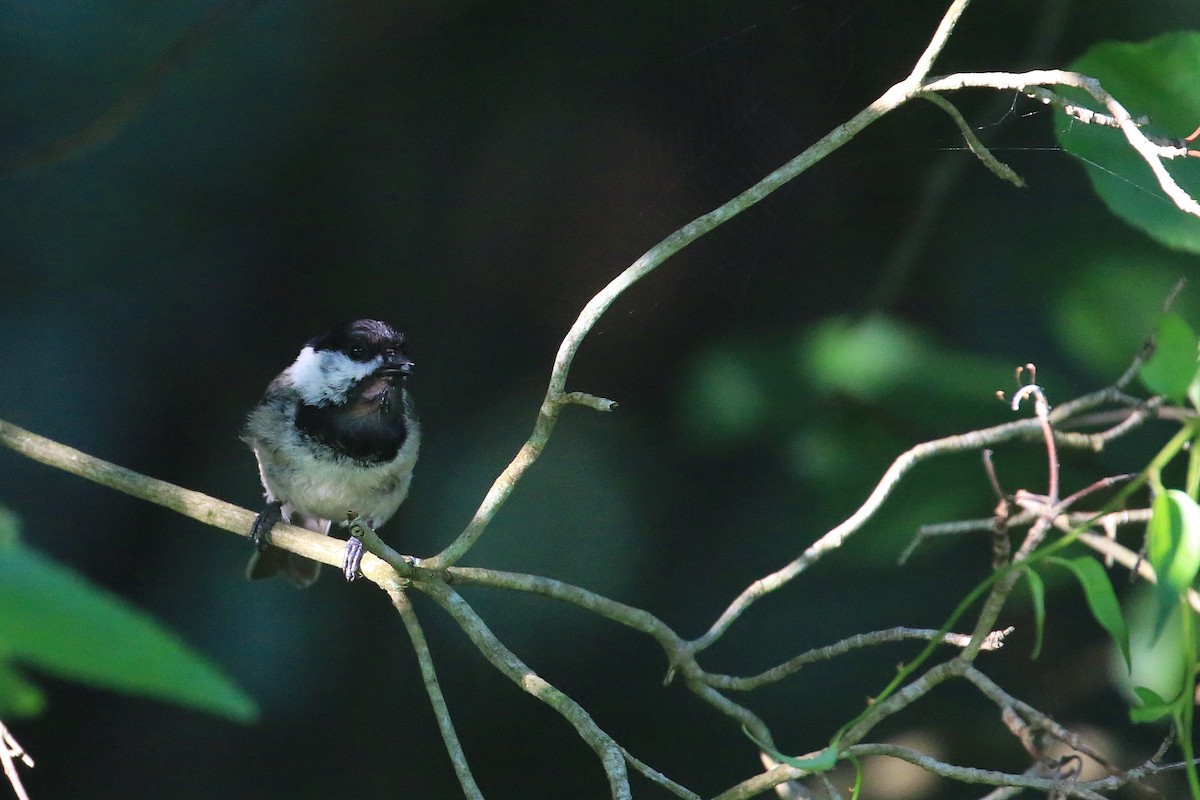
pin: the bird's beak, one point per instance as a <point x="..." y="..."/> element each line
<point x="396" y="367"/>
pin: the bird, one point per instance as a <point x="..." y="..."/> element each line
<point x="336" y="437"/>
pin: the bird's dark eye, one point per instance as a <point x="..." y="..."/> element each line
<point x="358" y="352"/>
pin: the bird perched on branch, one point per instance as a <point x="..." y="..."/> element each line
<point x="336" y="438"/>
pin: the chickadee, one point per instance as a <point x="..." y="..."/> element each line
<point x="336" y="438"/>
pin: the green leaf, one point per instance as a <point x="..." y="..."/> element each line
<point x="1037" y="594"/>
<point x="1172" y="368"/>
<point x="1101" y="599"/>
<point x="1173" y="546"/>
<point x="1154" y="78"/>
<point x="1152" y="707"/>
<point x="18" y="697"/>
<point x="55" y="620"/>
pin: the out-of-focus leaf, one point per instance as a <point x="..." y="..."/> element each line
<point x="54" y="619"/>
<point x="738" y="392"/>
<point x="1193" y="391"/>
<point x="1173" y="546"/>
<point x="1152" y="708"/>
<point x="1155" y="78"/>
<point x="1106" y="312"/>
<point x="727" y="397"/>
<point x="877" y="358"/>
<point x="1101" y="599"/>
<point x="1037" y="595"/>
<point x="1156" y="657"/>
<point x="18" y="697"/>
<point x="1172" y="368"/>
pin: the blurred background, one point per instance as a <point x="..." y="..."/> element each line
<point x="474" y="172"/>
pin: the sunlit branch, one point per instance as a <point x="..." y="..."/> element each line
<point x="10" y="753"/>
<point x="1152" y="153"/>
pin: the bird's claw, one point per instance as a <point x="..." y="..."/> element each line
<point x="266" y="519"/>
<point x="352" y="563"/>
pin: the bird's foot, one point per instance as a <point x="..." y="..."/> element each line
<point x="263" y="523"/>
<point x="352" y="563"/>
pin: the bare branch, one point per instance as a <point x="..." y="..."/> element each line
<point x="10" y="752"/>
<point x="975" y="775"/>
<point x="195" y="505"/>
<point x="1030" y="715"/>
<point x="938" y="41"/>
<point x="973" y="440"/>
<point x="978" y="148"/>
<point x="657" y="777"/>
<point x="995" y="642"/>
<point x="611" y="755"/>
<point x="433" y="688"/>
<point x="1151" y="152"/>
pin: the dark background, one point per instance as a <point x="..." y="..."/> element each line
<point x="474" y="172"/>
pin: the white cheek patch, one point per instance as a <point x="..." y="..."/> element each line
<point x="326" y="376"/>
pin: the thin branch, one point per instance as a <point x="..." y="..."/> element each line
<point x="654" y="775"/>
<point x="902" y="698"/>
<point x="995" y="642"/>
<point x="195" y="505"/>
<point x="441" y="711"/>
<point x="939" y="180"/>
<point x="978" y="148"/>
<point x="1112" y="549"/>
<point x="938" y="41"/>
<point x="975" y="775"/>
<point x="973" y="440"/>
<point x="991" y="690"/>
<point x="556" y="392"/>
<point x="1152" y="153"/>
<point x="635" y="618"/>
<point x="10" y="752"/>
<point x="610" y="753"/>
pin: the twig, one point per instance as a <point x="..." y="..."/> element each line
<point x="1003" y="700"/>
<point x="995" y="642"/>
<point x="610" y="753"/>
<point x="635" y="618"/>
<point x="556" y="394"/>
<point x="10" y="752"/>
<point x="939" y="180"/>
<point x="973" y="440"/>
<point x="1153" y="154"/>
<point x="975" y="775"/>
<point x="429" y="677"/>
<point x="937" y="42"/>
<point x="978" y="148"/>
<point x="1111" y="549"/>
<point x="657" y="777"/>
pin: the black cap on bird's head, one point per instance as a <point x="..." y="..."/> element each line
<point x="365" y="339"/>
<point x="331" y="365"/>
